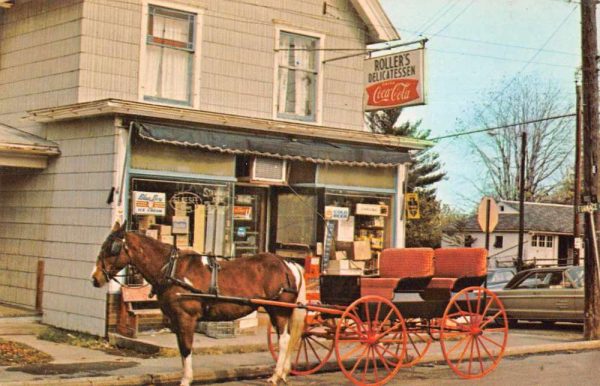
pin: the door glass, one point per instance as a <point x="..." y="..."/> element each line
<point x="249" y="220"/>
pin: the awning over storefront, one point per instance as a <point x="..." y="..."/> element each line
<point x="282" y="147"/>
<point x="22" y="150"/>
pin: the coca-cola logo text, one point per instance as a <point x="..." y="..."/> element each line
<point x="392" y="92"/>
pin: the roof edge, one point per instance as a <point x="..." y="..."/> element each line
<point x="380" y="27"/>
<point x="119" y="107"/>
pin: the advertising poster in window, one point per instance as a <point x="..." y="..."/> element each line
<point x="149" y="203"/>
<point x="394" y="80"/>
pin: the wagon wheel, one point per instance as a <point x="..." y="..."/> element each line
<point x="417" y="342"/>
<point x="315" y="347"/>
<point x="474" y="332"/>
<point x="370" y="341"/>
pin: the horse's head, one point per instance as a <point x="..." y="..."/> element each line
<point x="112" y="258"/>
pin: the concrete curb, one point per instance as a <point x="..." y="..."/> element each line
<point x="206" y="376"/>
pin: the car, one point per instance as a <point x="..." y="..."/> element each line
<point x="548" y="295"/>
<point x="497" y="278"/>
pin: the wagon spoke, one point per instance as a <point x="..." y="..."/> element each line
<point x="487" y="351"/>
<point x="316" y="341"/>
<point x="491" y="319"/>
<point x="359" y="360"/>
<point x="478" y="354"/>
<point x="458" y="344"/>
<point x="383" y="360"/>
<point x="352" y="352"/>
<point x="478" y="301"/>
<point x="491" y="340"/>
<point x="487" y="306"/>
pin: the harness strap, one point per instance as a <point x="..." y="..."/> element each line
<point x="214" y="266"/>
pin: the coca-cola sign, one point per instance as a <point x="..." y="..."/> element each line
<point x="394" y="80"/>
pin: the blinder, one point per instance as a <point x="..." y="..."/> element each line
<point x="116" y="246"/>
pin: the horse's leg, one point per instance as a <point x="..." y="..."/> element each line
<point x="185" y="340"/>
<point x="296" y="323"/>
<point x="280" y="324"/>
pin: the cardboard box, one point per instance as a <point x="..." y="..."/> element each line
<point x="163" y="230"/>
<point x="181" y="208"/>
<point x="199" y="228"/>
<point x="345" y="264"/>
<point x="340" y="255"/>
<point x="145" y="222"/>
<point x="152" y="233"/>
<point x="361" y="250"/>
<point x="181" y="225"/>
<point x="182" y="241"/>
<point x="167" y="239"/>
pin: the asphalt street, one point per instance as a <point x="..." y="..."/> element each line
<point x="560" y="369"/>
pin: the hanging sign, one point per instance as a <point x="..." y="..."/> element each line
<point x="242" y="212"/>
<point x="371" y="210"/>
<point x="394" y="80"/>
<point x="412" y="206"/>
<point x="149" y="203"/>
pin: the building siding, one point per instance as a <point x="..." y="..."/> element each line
<point x="236" y="54"/>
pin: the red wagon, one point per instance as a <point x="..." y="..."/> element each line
<point x="378" y="325"/>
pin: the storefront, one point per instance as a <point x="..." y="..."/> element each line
<point x="232" y="195"/>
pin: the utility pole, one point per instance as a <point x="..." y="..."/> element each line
<point x="589" y="50"/>
<point x="577" y="187"/>
<point x="522" y="199"/>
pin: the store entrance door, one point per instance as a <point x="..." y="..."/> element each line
<point x="249" y="220"/>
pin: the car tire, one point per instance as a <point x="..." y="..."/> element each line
<point x="548" y="323"/>
<point x="513" y="323"/>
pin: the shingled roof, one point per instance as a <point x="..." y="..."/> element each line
<point x="539" y="217"/>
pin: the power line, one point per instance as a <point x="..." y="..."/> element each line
<point x="455" y="18"/>
<point x="503" y="126"/>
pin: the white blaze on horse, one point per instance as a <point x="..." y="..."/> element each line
<point x="263" y="276"/>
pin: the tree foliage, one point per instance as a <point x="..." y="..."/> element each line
<point x="549" y="141"/>
<point x="425" y="170"/>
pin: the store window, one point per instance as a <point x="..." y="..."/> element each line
<point x="365" y="232"/>
<point x="169" y="55"/>
<point x="188" y="215"/>
<point x="297" y="76"/>
<point x="499" y="241"/>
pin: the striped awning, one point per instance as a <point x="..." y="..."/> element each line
<point x="281" y="147"/>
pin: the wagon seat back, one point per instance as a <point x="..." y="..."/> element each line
<point x="400" y="269"/>
<point x="455" y="269"/>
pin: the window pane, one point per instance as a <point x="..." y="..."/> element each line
<point x="296" y="219"/>
<point x="167" y="73"/>
<point x="170" y="28"/>
<point x="297" y="77"/>
<point x="548" y="241"/>
<point x="534" y="241"/>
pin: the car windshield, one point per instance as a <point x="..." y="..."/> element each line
<point x="576" y="276"/>
<point x="499" y="276"/>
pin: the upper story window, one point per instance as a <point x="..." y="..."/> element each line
<point x="170" y="50"/>
<point x="297" y="75"/>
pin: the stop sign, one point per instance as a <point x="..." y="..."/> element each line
<point x="483" y="216"/>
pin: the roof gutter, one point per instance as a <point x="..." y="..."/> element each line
<point x="28" y="149"/>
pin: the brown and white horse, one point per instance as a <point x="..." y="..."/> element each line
<point x="264" y="276"/>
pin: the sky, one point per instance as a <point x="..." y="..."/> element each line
<point x="476" y="46"/>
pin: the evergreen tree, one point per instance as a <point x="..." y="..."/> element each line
<point x="423" y="173"/>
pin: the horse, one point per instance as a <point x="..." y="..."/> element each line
<point x="261" y="276"/>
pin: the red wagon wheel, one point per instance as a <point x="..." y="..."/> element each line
<point x="417" y="342"/>
<point x="315" y="347"/>
<point x="370" y="341"/>
<point x="474" y="332"/>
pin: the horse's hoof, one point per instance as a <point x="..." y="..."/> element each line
<point x="272" y="380"/>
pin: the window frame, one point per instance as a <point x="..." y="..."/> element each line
<point x="194" y="67"/>
<point x="316" y="117"/>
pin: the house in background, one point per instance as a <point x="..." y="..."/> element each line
<point x="241" y="116"/>
<point x="548" y="234"/>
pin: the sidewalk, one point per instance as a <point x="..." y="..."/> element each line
<point x="77" y="366"/>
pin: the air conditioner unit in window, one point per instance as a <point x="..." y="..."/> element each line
<point x="268" y="170"/>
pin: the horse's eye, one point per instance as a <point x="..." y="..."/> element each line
<point x="115" y="248"/>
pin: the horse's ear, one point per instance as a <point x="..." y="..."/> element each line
<point x="116" y="227"/>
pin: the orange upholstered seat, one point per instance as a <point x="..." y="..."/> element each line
<point x="396" y="264"/>
<point x="451" y="264"/>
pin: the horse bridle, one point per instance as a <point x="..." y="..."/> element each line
<point x="115" y="249"/>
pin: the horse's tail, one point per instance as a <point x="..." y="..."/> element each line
<point x="297" y="319"/>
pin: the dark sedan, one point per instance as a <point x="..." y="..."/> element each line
<point x="544" y="294"/>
